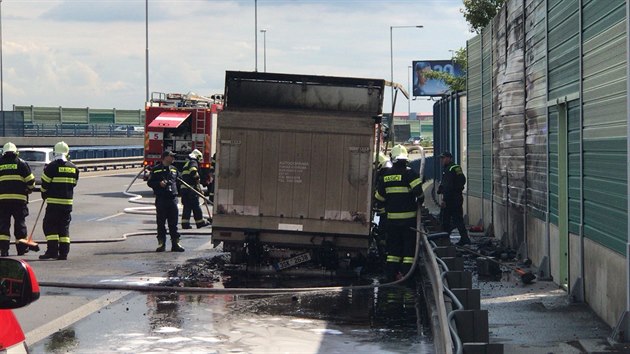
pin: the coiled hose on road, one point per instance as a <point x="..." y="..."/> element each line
<point x="135" y="198"/>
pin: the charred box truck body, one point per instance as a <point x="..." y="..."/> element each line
<point x="294" y="165"/>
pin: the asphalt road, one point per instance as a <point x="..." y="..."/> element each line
<point x="91" y="321"/>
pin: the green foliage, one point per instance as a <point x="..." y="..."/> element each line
<point x="456" y="83"/>
<point x="479" y="13"/>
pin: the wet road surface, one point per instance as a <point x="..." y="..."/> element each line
<point x="375" y="321"/>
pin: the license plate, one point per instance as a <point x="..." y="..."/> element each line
<point x="304" y="257"/>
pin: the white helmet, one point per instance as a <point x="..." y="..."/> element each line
<point x="61" y="148"/>
<point x="196" y="154"/>
<point x="9" y="147"/>
<point x="399" y="152"/>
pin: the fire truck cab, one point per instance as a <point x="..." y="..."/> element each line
<point x="181" y="123"/>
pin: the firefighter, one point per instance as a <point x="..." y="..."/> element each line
<point x="16" y="183"/>
<point x="58" y="182"/>
<point x="163" y="181"/>
<point x="190" y="199"/>
<point x="400" y="189"/>
<point x="451" y="187"/>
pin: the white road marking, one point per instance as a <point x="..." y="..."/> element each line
<point x="72" y="317"/>
<point x="108" y="217"/>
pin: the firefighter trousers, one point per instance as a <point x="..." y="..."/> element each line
<point x="18" y="211"/>
<point x="166" y="213"/>
<point x="453" y="217"/>
<point x="191" y="204"/>
<point x="401" y="247"/>
<point x="57" y="230"/>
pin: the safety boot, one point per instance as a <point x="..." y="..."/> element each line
<point x="203" y="224"/>
<point x="186" y="226"/>
<point x="52" y="250"/>
<point x="176" y="247"/>
<point x="21" y="248"/>
<point x="64" y="249"/>
<point x="161" y="247"/>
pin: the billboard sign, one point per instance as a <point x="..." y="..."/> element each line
<point x="423" y="86"/>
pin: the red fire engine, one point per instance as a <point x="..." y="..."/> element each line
<point x="181" y="123"/>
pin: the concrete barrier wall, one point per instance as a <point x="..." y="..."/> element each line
<point x="554" y="251"/>
<point x="575" y="265"/>
<point x="604" y="279"/>
<point x="473" y="210"/>
<point x="536" y="241"/>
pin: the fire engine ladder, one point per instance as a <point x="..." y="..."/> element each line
<point x="200" y="129"/>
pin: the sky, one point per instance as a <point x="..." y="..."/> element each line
<point x="92" y="53"/>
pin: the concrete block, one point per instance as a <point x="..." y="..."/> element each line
<point x="441" y="239"/>
<point x="470" y="298"/>
<point x="487" y="268"/>
<point x="459" y="279"/>
<point x="472" y="326"/>
<point x="483" y="348"/>
<point x="445" y="251"/>
<point x="454" y="263"/>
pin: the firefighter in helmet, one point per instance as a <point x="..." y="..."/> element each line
<point x="58" y="182"/>
<point x="400" y="190"/>
<point x="190" y="199"/>
<point x="16" y="183"/>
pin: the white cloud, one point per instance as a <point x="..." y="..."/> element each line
<point x="92" y="52"/>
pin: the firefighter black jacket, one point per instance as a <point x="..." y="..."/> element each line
<point x="16" y="179"/>
<point x="400" y="189"/>
<point x="452" y="185"/>
<point x="160" y="173"/>
<point x="58" y="182"/>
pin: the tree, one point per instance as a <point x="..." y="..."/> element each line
<point x="456" y="83"/>
<point x="479" y="13"/>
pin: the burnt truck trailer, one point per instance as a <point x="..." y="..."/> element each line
<point x="295" y="165"/>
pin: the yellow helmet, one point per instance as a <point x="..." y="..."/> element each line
<point x="61" y="148"/>
<point x="382" y="160"/>
<point x="196" y="154"/>
<point x="399" y="152"/>
<point x="9" y="147"/>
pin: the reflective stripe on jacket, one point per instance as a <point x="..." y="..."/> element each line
<point x="397" y="189"/>
<point x="169" y="174"/>
<point x="453" y="181"/>
<point x="58" y="182"/>
<point x="16" y="179"/>
<point x="190" y="174"/>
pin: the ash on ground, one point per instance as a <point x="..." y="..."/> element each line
<point x="199" y="272"/>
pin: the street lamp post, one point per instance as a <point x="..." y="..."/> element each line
<point x="409" y="72"/>
<point x="452" y="59"/>
<point x="391" y="62"/>
<point x="264" y="32"/>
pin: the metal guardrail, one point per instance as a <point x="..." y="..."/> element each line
<point x="77" y="129"/>
<point x="109" y="163"/>
<point x="443" y="333"/>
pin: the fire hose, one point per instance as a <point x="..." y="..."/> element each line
<point x="135" y="198"/>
